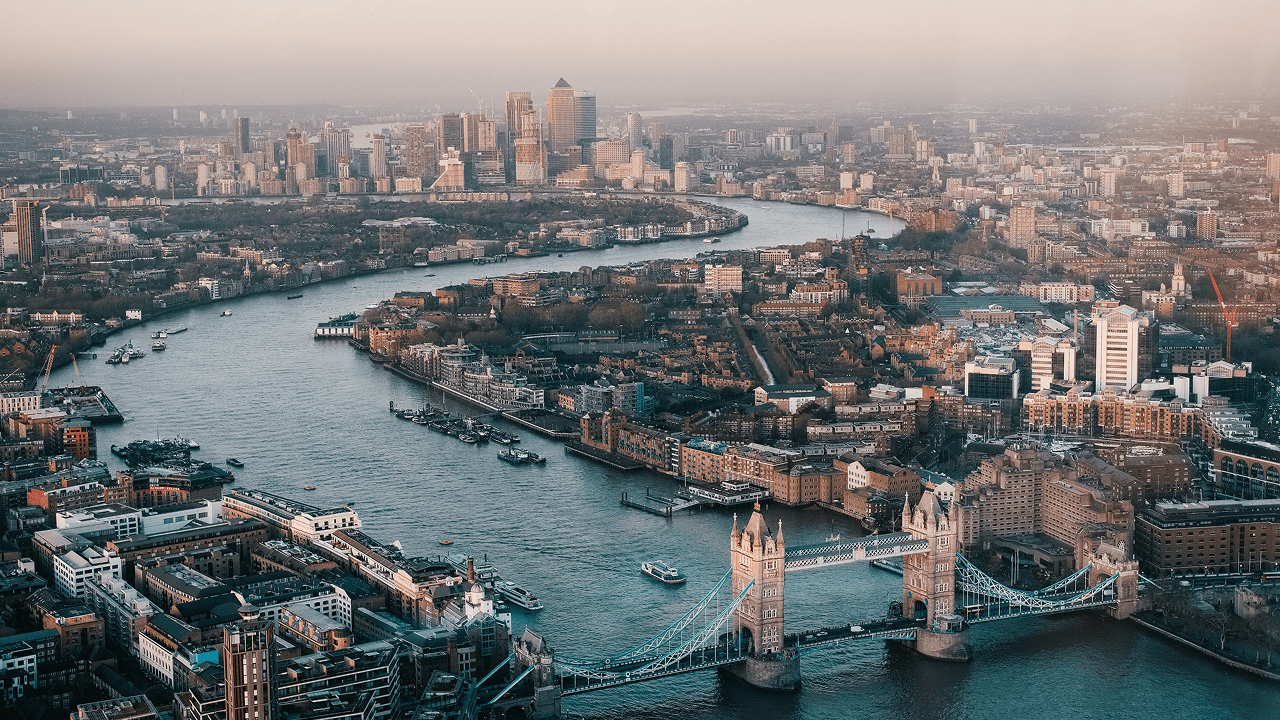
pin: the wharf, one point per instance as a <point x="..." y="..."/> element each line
<point x="658" y="505"/>
<point x="613" y="460"/>
<point x="88" y="402"/>
<point x="727" y="494"/>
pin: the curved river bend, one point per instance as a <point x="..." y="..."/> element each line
<point x="300" y="412"/>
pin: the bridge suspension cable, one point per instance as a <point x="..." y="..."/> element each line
<point x="979" y="589"/>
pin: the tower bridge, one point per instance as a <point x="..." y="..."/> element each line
<point x="738" y="626"/>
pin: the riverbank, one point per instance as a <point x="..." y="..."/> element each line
<point x="1205" y="650"/>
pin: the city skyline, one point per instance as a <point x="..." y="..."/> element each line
<point x="998" y="50"/>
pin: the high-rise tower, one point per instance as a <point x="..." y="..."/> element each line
<point x="562" y="117"/>
<point x="518" y="103"/>
<point x="248" y="662"/>
<point x="242" y="142"/>
<point x="30" y="234"/>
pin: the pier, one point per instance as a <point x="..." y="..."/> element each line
<point x="658" y="505"/>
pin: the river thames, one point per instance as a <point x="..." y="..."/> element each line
<point x="299" y="412"/>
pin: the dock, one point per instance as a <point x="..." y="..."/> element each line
<point x="658" y="505"/>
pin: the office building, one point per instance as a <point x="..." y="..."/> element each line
<point x="248" y="662"/>
<point x="530" y="161"/>
<point x="991" y="378"/>
<point x="562" y="117"/>
<point x="30" y="235"/>
<point x="1118" y="332"/>
<point x="287" y="518"/>
<point x="517" y="106"/>
<point x="243" y="145"/>
<point x="448" y="133"/>
<point x="584" y="116"/>
<point x="335" y="144"/>
<point x="73" y="571"/>
<point x="1212" y="536"/>
<point x="635" y="133"/>
<point x="378" y="157"/>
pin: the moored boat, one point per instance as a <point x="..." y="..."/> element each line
<point x="662" y="571"/>
<point x="293" y="297"/>
<point x="158" y="345"/>
<point x="226" y="313"/>
<point x="517" y="595"/>
<point x="234" y="463"/>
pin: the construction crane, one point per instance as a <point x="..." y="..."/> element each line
<point x="48" y="368"/>
<point x="1229" y="317"/>
<point x="77" y="369"/>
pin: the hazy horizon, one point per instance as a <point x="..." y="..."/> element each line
<point x="657" y="53"/>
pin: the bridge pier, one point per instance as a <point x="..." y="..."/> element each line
<point x="945" y="644"/>
<point x="779" y="672"/>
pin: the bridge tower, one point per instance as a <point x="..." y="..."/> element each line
<point x="1111" y="557"/>
<point x="929" y="579"/>
<point x="757" y="555"/>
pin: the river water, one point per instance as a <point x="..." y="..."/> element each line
<point x="301" y="412"/>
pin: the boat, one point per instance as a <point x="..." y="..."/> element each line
<point x="193" y="445"/>
<point x="136" y="352"/>
<point x="175" y="332"/>
<point x="226" y="313"/>
<point x="309" y="487"/>
<point x="293" y="297"/>
<point x="155" y="335"/>
<point x="715" y="240"/>
<point x="429" y="275"/>
<point x="234" y="463"/>
<point x="158" y="345"/>
<point x="708" y="241"/>
<point x="662" y="571"/>
<point x="466" y="438"/>
<point x="521" y="457"/>
<point x="446" y="542"/>
<point x="517" y="595"/>
<point x="125" y="358"/>
<point x="163" y="334"/>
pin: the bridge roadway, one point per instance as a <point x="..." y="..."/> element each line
<point x="883" y="629"/>
<point x="872" y="547"/>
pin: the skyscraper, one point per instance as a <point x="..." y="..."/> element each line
<point x="584" y="121"/>
<point x="1207" y="224"/>
<point x="298" y="150"/>
<point x="30" y="236"/>
<point x="248" y="662"/>
<point x="420" y="156"/>
<point x="562" y="117"/>
<point x="530" y="163"/>
<point x="334" y="143"/>
<point x="242" y="143"/>
<point x="635" y="135"/>
<point x="378" y="157"/>
<point x="449" y="134"/>
<point x="518" y="103"/>
<point x="471" y="132"/>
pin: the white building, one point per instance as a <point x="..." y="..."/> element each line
<point x="121" y="519"/>
<point x="293" y="520"/>
<point x="180" y="516"/>
<point x="1118" y="328"/>
<point x="15" y="402"/>
<point x="72" y="571"/>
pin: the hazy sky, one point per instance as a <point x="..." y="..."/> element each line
<point x="419" y="53"/>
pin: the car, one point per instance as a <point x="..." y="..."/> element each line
<point x="822" y="633"/>
<point x="856" y="628"/>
